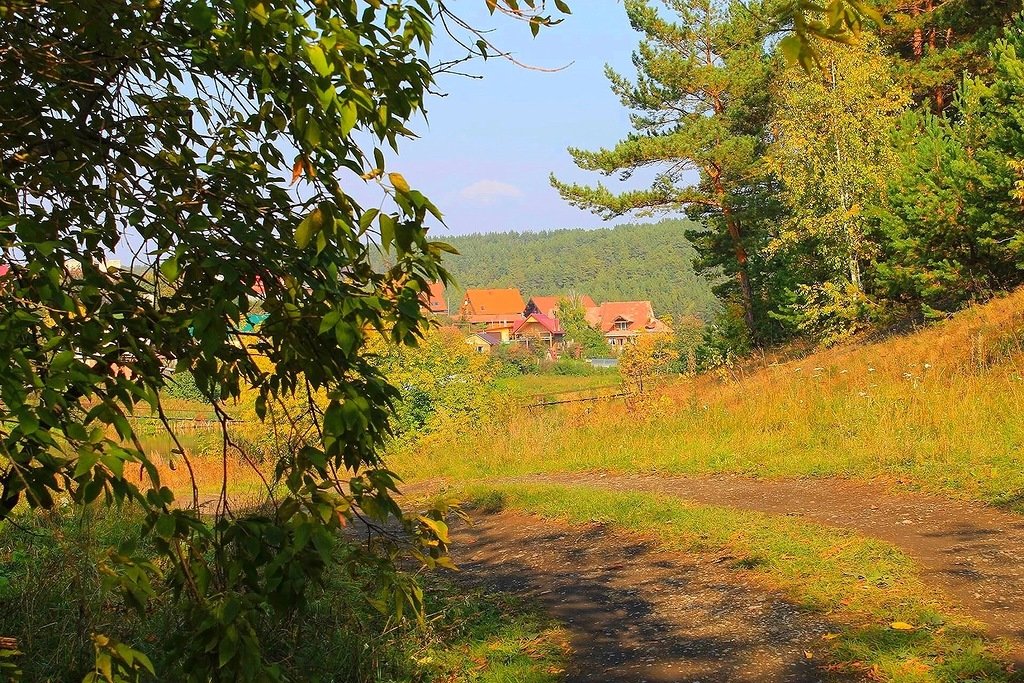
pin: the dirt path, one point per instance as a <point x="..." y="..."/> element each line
<point x="637" y="613"/>
<point x="971" y="552"/>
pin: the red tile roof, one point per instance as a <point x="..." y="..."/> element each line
<point x="549" y="324"/>
<point x="548" y="305"/>
<point x="544" y="304"/>
<point x="434" y="298"/>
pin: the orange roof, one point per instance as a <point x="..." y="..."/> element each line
<point x="545" y="305"/>
<point x="490" y="305"/>
<point x="639" y="316"/>
<point x="434" y="298"/>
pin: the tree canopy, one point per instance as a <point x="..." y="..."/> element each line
<point x="214" y="141"/>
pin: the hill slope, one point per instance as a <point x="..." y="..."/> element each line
<point x="938" y="409"/>
<point x="646" y="261"/>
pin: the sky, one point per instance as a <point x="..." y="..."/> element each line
<point x="488" y="146"/>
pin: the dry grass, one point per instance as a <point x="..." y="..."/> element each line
<point x="937" y="409"/>
<point x="204" y="457"/>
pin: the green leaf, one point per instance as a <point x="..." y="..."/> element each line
<point x="308" y="227"/>
<point x="169" y="268"/>
<point x="318" y="60"/>
<point x="387" y="230"/>
<point x="349" y="113"/>
<point x="791" y="47"/>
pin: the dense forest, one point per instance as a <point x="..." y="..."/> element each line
<point x="652" y="261"/>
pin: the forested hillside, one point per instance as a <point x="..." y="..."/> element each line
<point x="646" y="261"/>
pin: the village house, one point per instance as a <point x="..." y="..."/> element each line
<point x="483" y="342"/>
<point x="502" y="330"/>
<point x="434" y="299"/>
<point x="537" y="329"/>
<point x="500" y="317"/>
<point x="492" y="307"/>
<point x="621" y="322"/>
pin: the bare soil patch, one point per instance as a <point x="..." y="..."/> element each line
<point x="971" y="552"/>
<point x="639" y="613"/>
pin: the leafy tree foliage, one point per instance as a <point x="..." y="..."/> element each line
<point x="832" y="154"/>
<point x="936" y="42"/>
<point x="951" y="233"/>
<point x="585" y="340"/>
<point x="171" y="130"/>
<point x="649" y="355"/>
<point x="443" y="384"/>
<point x="825" y="209"/>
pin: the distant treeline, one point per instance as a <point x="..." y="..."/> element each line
<point x="627" y="262"/>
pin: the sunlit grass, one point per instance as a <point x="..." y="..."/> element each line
<point x="863" y="585"/>
<point x="196" y="453"/>
<point x="525" y="386"/>
<point x="939" y="409"/>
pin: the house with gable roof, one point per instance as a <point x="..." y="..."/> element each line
<point x="483" y="342"/>
<point x="492" y="307"/>
<point x="434" y="299"/>
<point x="539" y="329"/>
<point x="621" y="322"/>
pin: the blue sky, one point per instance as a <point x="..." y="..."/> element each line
<point x="485" y="153"/>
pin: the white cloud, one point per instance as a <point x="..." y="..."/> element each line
<point x="489" y="192"/>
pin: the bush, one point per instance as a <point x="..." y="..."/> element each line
<point x="833" y="312"/>
<point x="571" y="367"/>
<point x="183" y="385"/>
<point x="512" y="360"/>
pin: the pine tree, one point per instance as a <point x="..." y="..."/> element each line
<point x="699" y="103"/>
<point x="951" y="232"/>
<point x="938" y="40"/>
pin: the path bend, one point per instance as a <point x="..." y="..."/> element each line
<point x="970" y="551"/>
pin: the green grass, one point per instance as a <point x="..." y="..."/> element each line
<point x="488" y="638"/>
<point x="862" y="584"/>
<point x="52" y="598"/>
<point x="541" y="385"/>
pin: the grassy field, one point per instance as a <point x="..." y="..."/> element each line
<point x="526" y="386"/>
<point x="938" y="410"/>
<point x="889" y="625"/>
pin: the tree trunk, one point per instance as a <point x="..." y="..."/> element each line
<point x="741" y="258"/>
<point x="917" y="42"/>
<point x="733" y="227"/>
